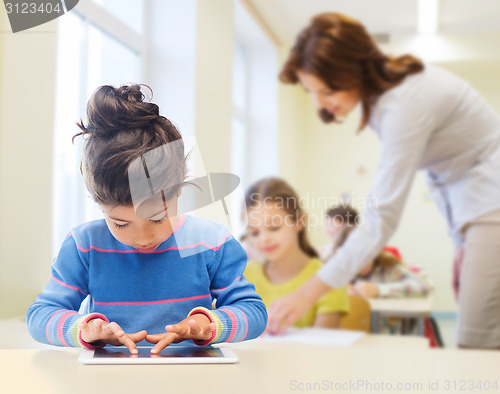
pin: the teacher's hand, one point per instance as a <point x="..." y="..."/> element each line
<point x="286" y="311"/>
<point x="457" y="269"/>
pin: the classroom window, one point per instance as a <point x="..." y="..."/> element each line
<point x="238" y="142"/>
<point x="89" y="55"/>
<point x="255" y="105"/>
<point x="255" y="100"/>
<point x="131" y="14"/>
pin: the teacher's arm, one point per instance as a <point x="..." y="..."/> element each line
<point x="405" y="130"/>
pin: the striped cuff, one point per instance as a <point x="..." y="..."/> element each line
<point x="213" y="319"/>
<point x="86" y="319"/>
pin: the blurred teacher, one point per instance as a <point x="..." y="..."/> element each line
<point x="426" y="118"/>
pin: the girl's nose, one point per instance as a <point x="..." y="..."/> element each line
<point x="263" y="236"/>
<point x="143" y="238"/>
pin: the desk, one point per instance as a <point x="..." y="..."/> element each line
<point x="418" y="308"/>
<point x="272" y="368"/>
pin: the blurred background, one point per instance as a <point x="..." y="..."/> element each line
<point x="213" y="66"/>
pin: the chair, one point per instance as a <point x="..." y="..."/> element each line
<point x="359" y="317"/>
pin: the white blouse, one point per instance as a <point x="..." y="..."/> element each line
<point x="434" y="121"/>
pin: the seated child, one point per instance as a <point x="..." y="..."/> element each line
<point x="148" y="273"/>
<point x="340" y="221"/>
<point x="277" y="230"/>
<point x="388" y="277"/>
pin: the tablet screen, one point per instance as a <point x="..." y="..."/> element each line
<point x="145" y="352"/>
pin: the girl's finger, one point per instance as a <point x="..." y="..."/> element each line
<point x="85" y="331"/>
<point x="97" y="322"/>
<point x="194" y="327"/>
<point x="138" y="336"/>
<point x="113" y="329"/>
<point x="167" y="340"/>
<point x="129" y="343"/>
<point x="180" y="329"/>
<point x="207" y="331"/>
<point x="287" y="322"/>
<point x="155" y="338"/>
<point x="275" y="318"/>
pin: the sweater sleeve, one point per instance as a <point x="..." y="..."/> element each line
<point x="53" y="317"/>
<point x="405" y="126"/>
<point x="240" y="314"/>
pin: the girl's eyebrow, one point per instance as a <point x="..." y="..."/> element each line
<point x="119" y="220"/>
<point x="128" y="221"/>
<point x="159" y="212"/>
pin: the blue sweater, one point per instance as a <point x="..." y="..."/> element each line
<point x="198" y="263"/>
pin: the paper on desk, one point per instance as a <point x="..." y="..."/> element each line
<point x="315" y="336"/>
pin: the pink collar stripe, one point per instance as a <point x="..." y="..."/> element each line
<point x="214" y="248"/>
<point x="152" y="302"/>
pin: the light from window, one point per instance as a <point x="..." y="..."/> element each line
<point x="129" y="12"/>
<point x="109" y="61"/>
<point x="87" y="58"/>
<point x="239" y="76"/>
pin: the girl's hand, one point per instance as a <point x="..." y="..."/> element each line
<point x="366" y="289"/>
<point x="286" y="311"/>
<point x="97" y="330"/>
<point x="197" y="326"/>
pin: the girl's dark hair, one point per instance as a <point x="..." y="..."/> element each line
<point x="348" y="217"/>
<point x="122" y="128"/>
<point x="278" y="191"/>
<point x="344" y="213"/>
<point x="338" y="50"/>
<point x="386" y="259"/>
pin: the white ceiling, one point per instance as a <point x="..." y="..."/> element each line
<point x="287" y="17"/>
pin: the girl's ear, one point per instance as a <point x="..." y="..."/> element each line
<point x="179" y="192"/>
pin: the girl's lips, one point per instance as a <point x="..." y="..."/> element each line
<point x="147" y="250"/>
<point x="269" y="249"/>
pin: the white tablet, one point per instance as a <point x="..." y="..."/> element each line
<point x="169" y="355"/>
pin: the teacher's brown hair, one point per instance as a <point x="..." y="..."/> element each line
<point x="338" y="50"/>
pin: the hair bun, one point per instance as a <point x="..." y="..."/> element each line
<point x="111" y="110"/>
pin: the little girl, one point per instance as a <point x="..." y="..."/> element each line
<point x="339" y="221"/>
<point x="277" y="229"/>
<point x="386" y="276"/>
<point x="149" y="273"/>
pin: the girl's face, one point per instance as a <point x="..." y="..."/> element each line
<point x="338" y="102"/>
<point x="333" y="227"/>
<point x="145" y="235"/>
<point x="272" y="231"/>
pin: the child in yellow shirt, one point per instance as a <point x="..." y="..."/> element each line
<point x="277" y="230"/>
